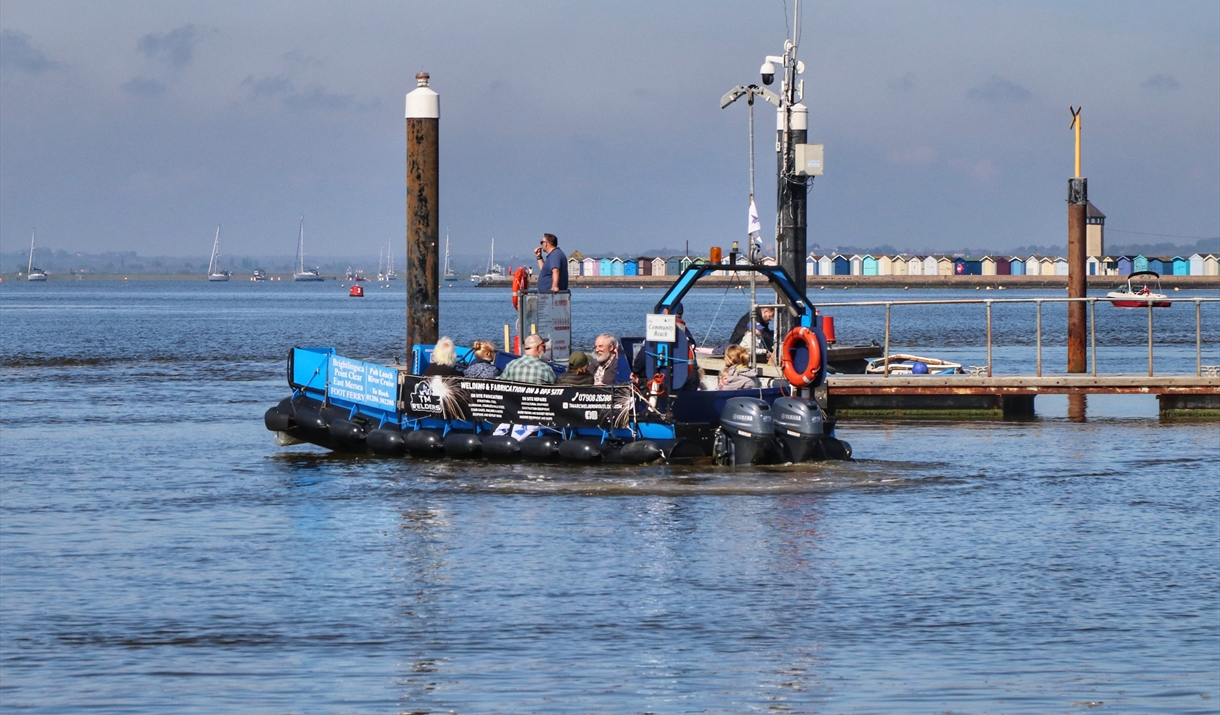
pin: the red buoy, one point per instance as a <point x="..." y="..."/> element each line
<point x="357" y="291"/>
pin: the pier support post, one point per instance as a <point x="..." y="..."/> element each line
<point x="792" y="202"/>
<point x="423" y="234"/>
<point x="1078" y="328"/>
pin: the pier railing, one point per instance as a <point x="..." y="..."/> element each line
<point x="1037" y="303"/>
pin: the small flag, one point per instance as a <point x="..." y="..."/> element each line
<point x="755" y="229"/>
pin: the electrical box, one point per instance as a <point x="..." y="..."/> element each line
<point x="808" y="160"/>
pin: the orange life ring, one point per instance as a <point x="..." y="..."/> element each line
<point x="521" y="283"/>
<point x="801" y="334"/>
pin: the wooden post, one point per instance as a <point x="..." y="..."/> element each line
<point x="423" y="235"/>
<point x="1078" y="199"/>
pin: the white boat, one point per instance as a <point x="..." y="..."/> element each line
<point x="33" y="273"/>
<point x="312" y="274"/>
<point x="390" y="275"/>
<point x="902" y="364"/>
<point x="215" y="275"/>
<point x="495" y="272"/>
<point x="259" y="275"/>
<point x="449" y="274"/>
<point x="1138" y="293"/>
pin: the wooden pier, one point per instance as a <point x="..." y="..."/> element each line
<point x="935" y="395"/>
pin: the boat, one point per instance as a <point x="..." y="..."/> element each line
<point x="259" y="275"/>
<point x="903" y="364"/>
<point x="361" y="407"/>
<point x="357" y="291"/>
<point x="301" y="274"/>
<point x="390" y="275"/>
<point x="215" y="274"/>
<point x="449" y="273"/>
<point x="1138" y="293"/>
<point x="495" y="272"/>
<point x="32" y="272"/>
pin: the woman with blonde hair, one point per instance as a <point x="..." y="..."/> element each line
<point x="737" y="374"/>
<point x="444" y="359"/>
<point x="483" y="365"/>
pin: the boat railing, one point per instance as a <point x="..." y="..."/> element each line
<point x="1091" y="301"/>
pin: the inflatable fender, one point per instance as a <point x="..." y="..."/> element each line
<point x="463" y="444"/>
<point x="579" y="450"/>
<point x="540" y="449"/>
<point x="501" y="446"/>
<point x="387" y="441"/>
<point x="642" y="452"/>
<point x="347" y="434"/>
<point x="425" y="443"/>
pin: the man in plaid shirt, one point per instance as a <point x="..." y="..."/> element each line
<point x="530" y="367"/>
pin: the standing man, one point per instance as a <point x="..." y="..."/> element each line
<point x="552" y="265"/>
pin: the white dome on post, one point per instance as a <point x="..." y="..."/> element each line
<point x="423" y="102"/>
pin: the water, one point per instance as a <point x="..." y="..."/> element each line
<point x="159" y="554"/>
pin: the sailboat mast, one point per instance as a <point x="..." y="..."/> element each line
<point x="446" y="251"/>
<point x="301" y="247"/>
<point x="215" y="251"/>
<point x="31" y="266"/>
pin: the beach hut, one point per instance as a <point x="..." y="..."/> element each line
<point x="1156" y="264"/>
<point x="643" y="266"/>
<point x="574" y="266"/>
<point x="631" y="267"/>
<point x="944" y="266"/>
<point x="616" y="266"/>
<point x="659" y="266"/>
<point x="1124" y="265"/>
<point x="591" y="267"/>
<point x="915" y="266"/>
<point x="605" y="267"/>
<point x="673" y="266"/>
<point x="826" y="266"/>
<point x="1181" y="266"/>
<point x="899" y="264"/>
<point x="1196" y="265"/>
<point x="988" y="265"/>
<point x="930" y="266"/>
<point x="842" y="265"/>
<point x="811" y="265"/>
<point x="868" y="265"/>
<point x="857" y="265"/>
<point x="1061" y="266"/>
<point x="1094" y="266"/>
<point x="963" y="266"/>
<point x="1139" y="263"/>
<point x="1211" y="265"/>
<point x="1033" y="266"/>
<point x="684" y="262"/>
<point x="885" y="266"/>
<point x="1016" y="266"/>
<point x="1108" y="266"/>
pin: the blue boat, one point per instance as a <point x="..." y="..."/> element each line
<point x="355" y="406"/>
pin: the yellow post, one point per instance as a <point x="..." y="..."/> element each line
<point x="1076" y="126"/>
<point x="507" y="348"/>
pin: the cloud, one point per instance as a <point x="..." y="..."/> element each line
<point x="1160" y="81"/>
<point x="16" y="53"/>
<point x="999" y="89"/>
<point x="144" y="87"/>
<point x="175" y="48"/>
<point x="268" y="86"/>
<point x="905" y="83"/>
<point x="312" y="98"/>
<point x="913" y="155"/>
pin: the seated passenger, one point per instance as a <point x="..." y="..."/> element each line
<point x="737" y="374"/>
<point x="578" y="371"/>
<point x="444" y="360"/>
<point x="530" y="367"/>
<point x="605" y="352"/>
<point x="482" y="366"/>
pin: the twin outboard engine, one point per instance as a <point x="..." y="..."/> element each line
<point x="798" y="429"/>
<point x="748" y="428"/>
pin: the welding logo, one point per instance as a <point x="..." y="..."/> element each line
<point x="423" y="399"/>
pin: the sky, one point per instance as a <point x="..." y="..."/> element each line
<point x="140" y="126"/>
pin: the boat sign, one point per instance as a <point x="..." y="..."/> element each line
<point x="363" y="383"/>
<point x="661" y="328"/>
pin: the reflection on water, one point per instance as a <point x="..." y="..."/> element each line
<point x="158" y="553"/>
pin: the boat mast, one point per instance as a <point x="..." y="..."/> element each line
<point x="31" y="266"/>
<point x="301" y="247"/>
<point x="492" y="261"/>
<point x="215" y="252"/>
<point x="446" y="251"/>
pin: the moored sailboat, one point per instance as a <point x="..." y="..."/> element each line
<point x="301" y="274"/>
<point x="32" y="272"/>
<point x="215" y="274"/>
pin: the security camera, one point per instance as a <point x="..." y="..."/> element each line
<point x="768" y="73"/>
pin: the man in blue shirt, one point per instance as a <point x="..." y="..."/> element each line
<point x="553" y="268"/>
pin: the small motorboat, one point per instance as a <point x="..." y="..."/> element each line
<point x="901" y="364"/>
<point x="1139" y="292"/>
<point x="357" y="291"/>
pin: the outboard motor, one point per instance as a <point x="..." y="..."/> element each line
<point x="798" y="429"/>
<point x="747" y="423"/>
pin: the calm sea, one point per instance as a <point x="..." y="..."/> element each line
<point x="158" y="553"/>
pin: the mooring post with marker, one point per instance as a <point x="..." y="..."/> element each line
<point x="1078" y="199"/>
<point x="423" y="221"/>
